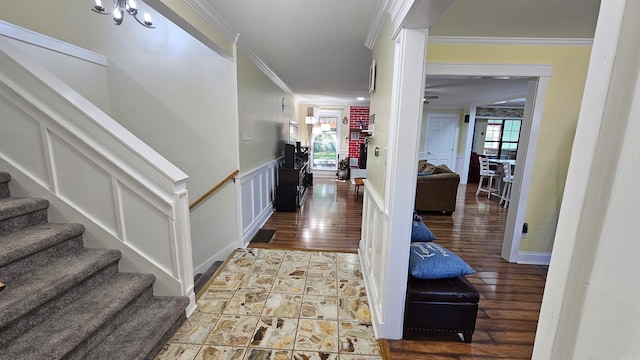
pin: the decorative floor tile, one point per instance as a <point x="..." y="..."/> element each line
<point x="233" y="330"/>
<point x="246" y="303"/>
<point x="354" y="309"/>
<point x="317" y="335"/>
<point x="221" y="353"/>
<point x="323" y="257"/>
<point x="297" y="256"/>
<point x="351" y="288"/>
<point x="357" y="338"/>
<point x="174" y="351"/>
<point x="314" y="355"/>
<point x="283" y="305"/>
<point x="280" y="305"/>
<point x="211" y="304"/>
<point x="288" y="285"/>
<point x="320" y="286"/>
<point x="268" y="354"/>
<point x="349" y="271"/>
<point x="348" y="258"/>
<point x="319" y="269"/>
<point x="274" y="333"/>
<point x="226" y="281"/>
<point x="275" y="255"/>
<point x="295" y="269"/>
<point x="266" y="267"/>
<point x="319" y="307"/>
<point x="360" y="357"/>
<point x="257" y="282"/>
<point x="195" y="329"/>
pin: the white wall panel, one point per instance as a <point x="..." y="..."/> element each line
<point x="257" y="194"/>
<point x="246" y="193"/>
<point x="17" y="130"/>
<point x="83" y="183"/>
<point x="144" y="223"/>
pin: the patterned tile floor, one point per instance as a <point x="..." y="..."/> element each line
<point x="269" y="304"/>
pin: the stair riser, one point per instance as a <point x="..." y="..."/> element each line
<point x="42" y="313"/>
<point x="8" y="226"/>
<point x="39" y="259"/>
<point x="108" y="327"/>
<point x="165" y="338"/>
<point x="4" y="190"/>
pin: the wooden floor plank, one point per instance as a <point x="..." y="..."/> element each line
<point x="510" y="294"/>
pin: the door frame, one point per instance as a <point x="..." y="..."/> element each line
<point x="456" y="138"/>
<point x="539" y="75"/>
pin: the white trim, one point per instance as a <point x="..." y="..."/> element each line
<point x="534" y="258"/>
<point x="519" y="70"/>
<point x="214" y="19"/>
<point x="377" y="22"/>
<point x="242" y="177"/>
<point x="220" y="256"/>
<point x="31" y="37"/>
<point x="523" y="41"/>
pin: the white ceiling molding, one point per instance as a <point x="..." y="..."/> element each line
<point x="511" y="41"/>
<point x="31" y="37"/>
<point x="248" y="52"/>
<point x="377" y="22"/>
<point x="214" y="19"/>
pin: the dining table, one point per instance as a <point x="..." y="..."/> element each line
<point x="499" y="170"/>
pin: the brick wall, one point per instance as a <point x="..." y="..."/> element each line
<point x="357" y="114"/>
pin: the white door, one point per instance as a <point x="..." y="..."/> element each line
<point x="440" y="144"/>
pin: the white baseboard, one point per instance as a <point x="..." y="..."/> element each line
<point x="220" y="256"/>
<point x="534" y="258"/>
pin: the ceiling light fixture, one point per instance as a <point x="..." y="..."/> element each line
<point x="119" y="8"/>
<point x="360" y="98"/>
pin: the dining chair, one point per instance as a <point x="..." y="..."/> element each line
<point x="486" y="173"/>
<point x="507" y="180"/>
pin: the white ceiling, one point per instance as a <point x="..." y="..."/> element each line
<point x="316" y="47"/>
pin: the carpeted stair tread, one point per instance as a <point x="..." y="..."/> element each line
<point x="25" y="242"/>
<point x="12" y="206"/>
<point x="68" y="328"/>
<point x="35" y="287"/>
<point x="141" y="333"/>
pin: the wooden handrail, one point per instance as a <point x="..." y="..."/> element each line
<point x="213" y="189"/>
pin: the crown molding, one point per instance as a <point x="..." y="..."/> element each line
<point x="211" y="16"/>
<point x="214" y="19"/>
<point x="31" y="37"/>
<point x="377" y="22"/>
<point x="527" y="41"/>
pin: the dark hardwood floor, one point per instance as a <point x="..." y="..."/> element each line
<point x="510" y="294"/>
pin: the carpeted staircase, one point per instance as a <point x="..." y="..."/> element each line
<point x="63" y="300"/>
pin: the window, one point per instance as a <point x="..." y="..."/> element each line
<point x="501" y="138"/>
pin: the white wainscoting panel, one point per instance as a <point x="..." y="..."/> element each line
<point x="459" y="165"/>
<point x="257" y="193"/>
<point x="372" y="253"/>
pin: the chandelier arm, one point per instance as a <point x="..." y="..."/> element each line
<point x="143" y="23"/>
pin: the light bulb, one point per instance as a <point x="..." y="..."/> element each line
<point x="132" y="4"/>
<point x="147" y="18"/>
<point x="98" y="3"/>
<point x="116" y="14"/>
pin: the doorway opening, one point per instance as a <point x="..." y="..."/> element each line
<point x="325" y="144"/>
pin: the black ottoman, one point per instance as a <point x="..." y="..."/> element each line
<point x="442" y="305"/>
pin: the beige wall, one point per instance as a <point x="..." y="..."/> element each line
<point x="557" y="128"/>
<point x="383" y="54"/>
<point x="169" y="90"/>
<point x="263" y="127"/>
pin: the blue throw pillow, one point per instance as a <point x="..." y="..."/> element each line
<point x="420" y="231"/>
<point x="428" y="260"/>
